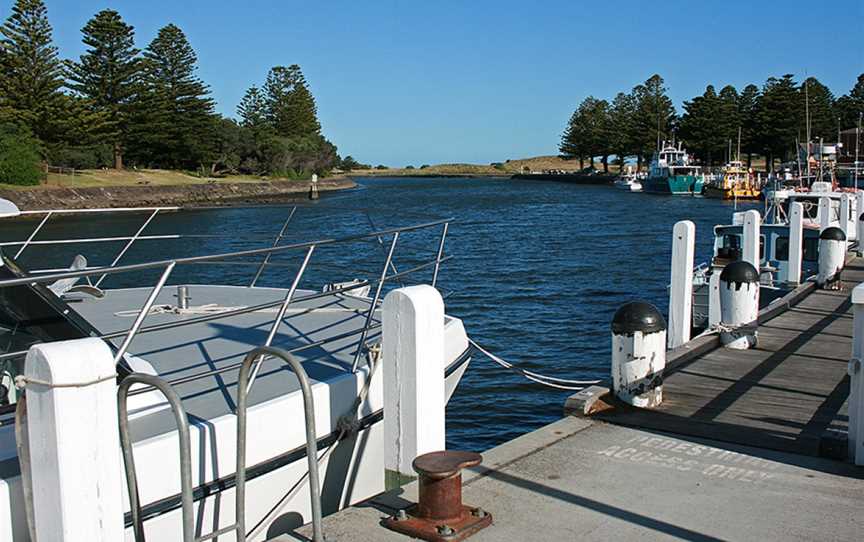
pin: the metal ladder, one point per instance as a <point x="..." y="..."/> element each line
<point x="186" y="489"/>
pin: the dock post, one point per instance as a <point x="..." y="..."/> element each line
<point x="859" y="232"/>
<point x="313" y="188"/>
<point x="739" y="305"/>
<point x="796" y="237"/>
<point x="824" y="213"/>
<point x="681" y="289"/>
<point x="638" y="354"/>
<point x="714" y="299"/>
<point x="856" y="380"/>
<point x="75" y="464"/>
<point x="750" y="243"/>
<point x="845" y="203"/>
<point x="832" y="256"/>
<point x="413" y="375"/>
<point x="859" y="210"/>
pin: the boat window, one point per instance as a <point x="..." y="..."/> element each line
<point x="811" y="249"/>
<point x="781" y="249"/>
<point x="30" y="314"/>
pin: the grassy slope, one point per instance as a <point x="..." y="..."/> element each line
<point x="538" y="163"/>
<point x="110" y="177"/>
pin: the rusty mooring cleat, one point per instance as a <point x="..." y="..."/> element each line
<point x="440" y="515"/>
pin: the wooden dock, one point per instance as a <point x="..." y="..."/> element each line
<point x="787" y="394"/>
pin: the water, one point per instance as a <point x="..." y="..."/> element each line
<point x="540" y="268"/>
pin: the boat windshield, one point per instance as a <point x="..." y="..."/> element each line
<point x="29" y="314"/>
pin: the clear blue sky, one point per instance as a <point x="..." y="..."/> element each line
<point x="413" y="82"/>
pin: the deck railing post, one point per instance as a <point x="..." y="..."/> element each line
<point x="796" y="246"/>
<point x="824" y="213"/>
<point x="859" y="229"/>
<point x="72" y="425"/>
<point x="750" y="243"/>
<point x="856" y="380"/>
<point x="413" y="374"/>
<point x="845" y="204"/>
<point x="681" y="283"/>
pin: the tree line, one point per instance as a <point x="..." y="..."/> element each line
<point x="770" y="119"/>
<point x="120" y="106"/>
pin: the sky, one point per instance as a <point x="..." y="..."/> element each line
<point x="402" y="82"/>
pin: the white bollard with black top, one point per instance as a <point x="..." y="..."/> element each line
<point x="638" y="354"/>
<point x="832" y="257"/>
<point x="739" y="305"/>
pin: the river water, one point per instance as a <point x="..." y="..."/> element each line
<point x="539" y="269"/>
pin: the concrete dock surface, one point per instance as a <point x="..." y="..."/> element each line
<point x="585" y="479"/>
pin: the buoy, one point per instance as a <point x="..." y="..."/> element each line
<point x="638" y="354"/>
<point x="832" y="256"/>
<point x="739" y="305"/>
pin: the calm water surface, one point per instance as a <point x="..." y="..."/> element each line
<point x="539" y="270"/>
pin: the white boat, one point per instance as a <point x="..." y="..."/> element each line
<point x="192" y="337"/>
<point x="829" y="213"/>
<point x="629" y="184"/>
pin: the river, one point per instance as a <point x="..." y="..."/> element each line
<point x="539" y="269"/>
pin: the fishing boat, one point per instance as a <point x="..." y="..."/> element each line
<point x="191" y="337"/>
<point x="671" y="172"/>
<point x="736" y="182"/>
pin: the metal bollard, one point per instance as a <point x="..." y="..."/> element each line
<point x="739" y="305"/>
<point x="832" y="257"/>
<point x="439" y="514"/>
<point x="638" y="354"/>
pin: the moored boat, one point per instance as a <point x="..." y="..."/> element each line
<point x="735" y="182"/>
<point x="672" y="172"/>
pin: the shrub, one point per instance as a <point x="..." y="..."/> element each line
<point x="381" y="166"/>
<point x="409" y="167"/>
<point x="94" y="157"/>
<point x="424" y="166"/>
<point x="19" y="157"/>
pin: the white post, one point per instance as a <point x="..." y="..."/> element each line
<point x="859" y="228"/>
<point x="413" y="374"/>
<point x="824" y="213"/>
<point x="796" y="238"/>
<point x="638" y="354"/>
<point x="714" y="299"/>
<point x="75" y="459"/>
<point x="681" y="288"/>
<point x="750" y="244"/>
<point x="739" y="305"/>
<point x="832" y="257"/>
<point x="856" y="380"/>
<point x="844" y="214"/>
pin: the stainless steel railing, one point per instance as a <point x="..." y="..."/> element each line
<point x="244" y="385"/>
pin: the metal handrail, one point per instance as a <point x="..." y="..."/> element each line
<point x="374" y="305"/>
<point x="194" y="259"/>
<point x="311" y="440"/>
<point x="182" y="422"/>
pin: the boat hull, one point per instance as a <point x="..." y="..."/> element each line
<point x="675" y="185"/>
<point x="731" y="194"/>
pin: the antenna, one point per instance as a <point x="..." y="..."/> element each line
<point x="807" y="117"/>
<point x="738" y="152"/>
<point x="857" y="139"/>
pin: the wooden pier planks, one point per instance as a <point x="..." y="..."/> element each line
<point x="782" y="395"/>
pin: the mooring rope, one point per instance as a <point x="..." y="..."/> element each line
<point x="545" y="380"/>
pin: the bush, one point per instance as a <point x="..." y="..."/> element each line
<point x="409" y="167"/>
<point x="94" y="157"/>
<point x="424" y="166"/>
<point x="19" y="157"/>
<point x="381" y="166"/>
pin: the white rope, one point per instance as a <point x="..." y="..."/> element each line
<point x="550" y="381"/>
<point x="22" y="381"/>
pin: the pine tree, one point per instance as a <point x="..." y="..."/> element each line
<point x="655" y="115"/>
<point x="291" y="108"/>
<point x="572" y="140"/>
<point x="851" y="106"/>
<point x="253" y="109"/>
<point x="32" y="73"/>
<point x="177" y="123"/>
<point x="700" y="125"/>
<point x="777" y="112"/>
<point x="108" y="75"/>
<point x="749" y="126"/>
<point x="621" y="126"/>
<point x="823" y="119"/>
<point x="729" y="121"/>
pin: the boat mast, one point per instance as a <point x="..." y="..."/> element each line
<point x="857" y="139"/>
<point x="807" y="119"/>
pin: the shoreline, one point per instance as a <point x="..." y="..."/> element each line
<point x="216" y="194"/>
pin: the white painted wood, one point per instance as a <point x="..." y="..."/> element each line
<point x="636" y="359"/>
<point x="75" y="447"/>
<point x="832" y="257"/>
<point x="796" y="238"/>
<point x="856" y="380"/>
<point x="824" y="213"/>
<point x="845" y="204"/>
<point x="714" y="299"/>
<point x="414" y="394"/>
<point x="681" y="288"/>
<point x="750" y="243"/>
<point x="739" y="307"/>
<point x="856" y="219"/>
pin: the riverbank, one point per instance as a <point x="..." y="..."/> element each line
<point x="222" y="192"/>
